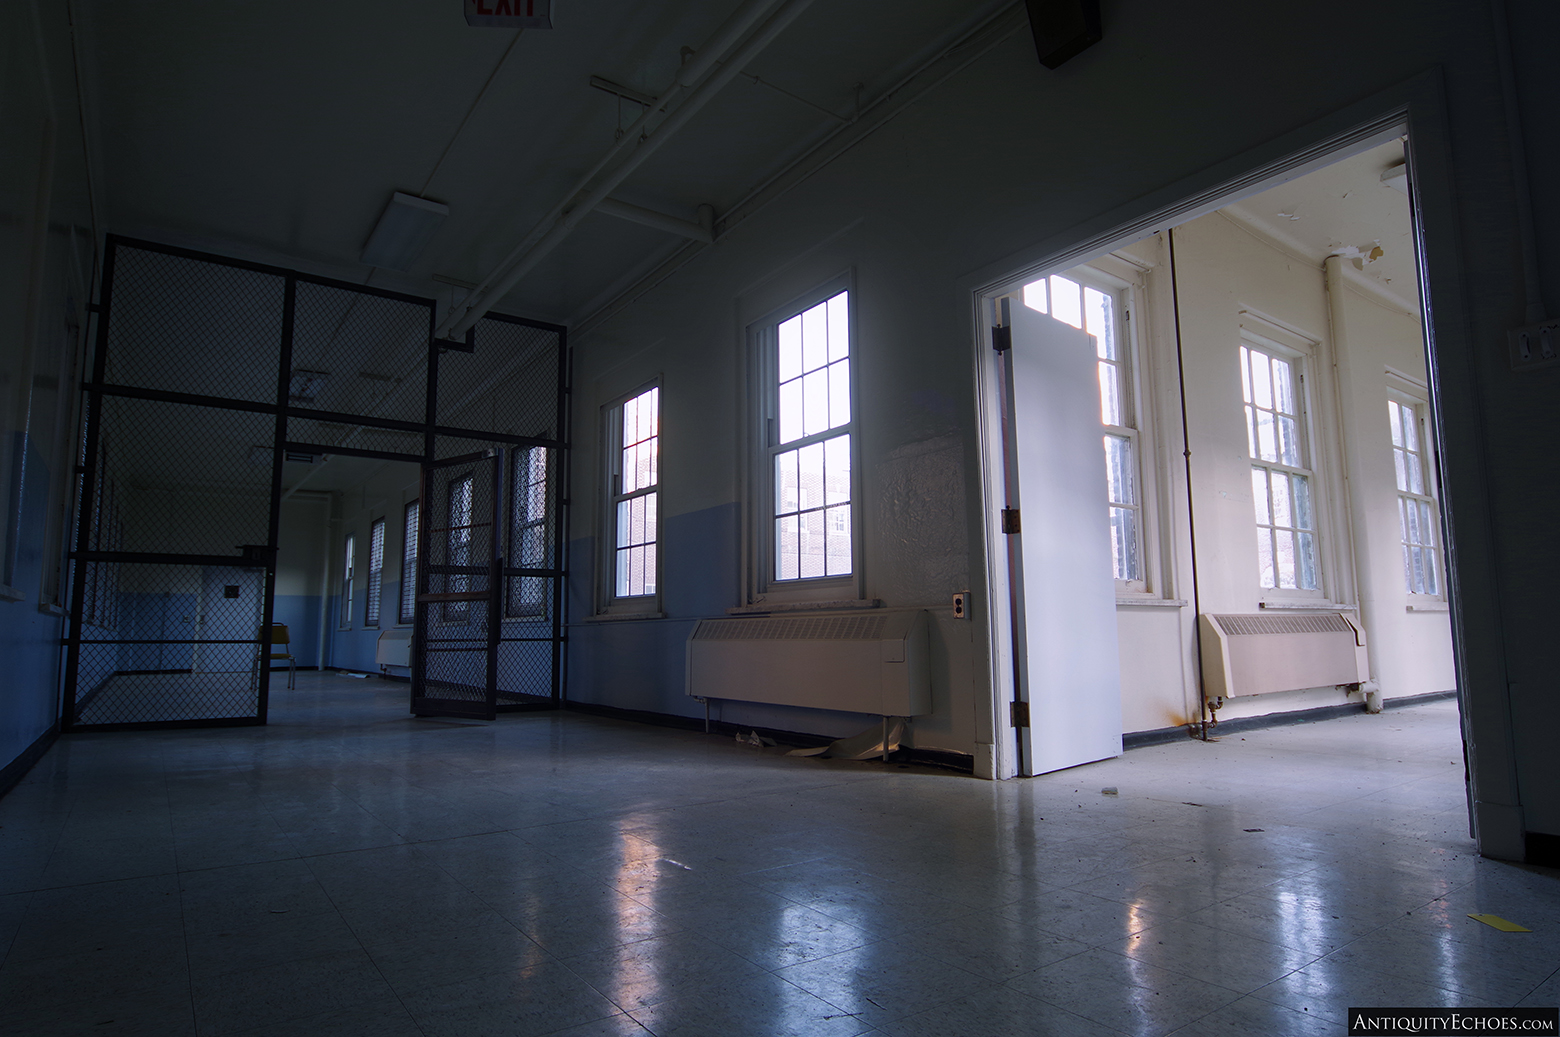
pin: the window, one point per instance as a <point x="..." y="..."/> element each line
<point x="635" y="481"/>
<point x="528" y="540"/>
<point x="1416" y="506"/>
<point x="376" y="572"/>
<point x="458" y="534"/>
<point x="408" y="609"/>
<point x="808" y="425"/>
<point x="1280" y="479"/>
<point x="346" y="581"/>
<point x="1098" y="312"/>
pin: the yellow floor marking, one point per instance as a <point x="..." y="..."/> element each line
<point x="1500" y="923"/>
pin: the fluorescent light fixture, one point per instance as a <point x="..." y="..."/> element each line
<point x="403" y="231"/>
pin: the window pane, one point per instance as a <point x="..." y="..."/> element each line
<point x="631" y="422"/>
<point x="1259" y="495"/>
<point x="1261" y="380"/>
<point x="1034" y="296"/>
<point x="787" y="543"/>
<point x="786" y="498"/>
<point x="620" y="583"/>
<point x="1110" y="394"/>
<point x="1307" y="561"/>
<point x="837" y="523"/>
<point x="1245" y="375"/>
<point x="1395" y="421"/>
<point x="1123" y="543"/>
<point x="839" y="394"/>
<point x="791" y="411"/>
<point x="839" y="327"/>
<point x="1302" y="501"/>
<point x="1267" y="448"/>
<point x="1119" y="470"/>
<point x="1065" y="302"/>
<point x="650" y="462"/>
<point x="810" y="467"/>
<point x="1400" y="462"/>
<point x="790" y="348"/>
<point x="812" y="544"/>
<point x="836" y="466"/>
<point x="1284" y="555"/>
<point x="1251" y="431"/>
<point x="815" y="337"/>
<point x="1288" y="442"/>
<point x="815" y="402"/>
<point x="1282" y="512"/>
<point x="1416" y="468"/>
<point x="1265" y="558"/>
<point x="1098" y="320"/>
<point x="648" y="552"/>
<point x="1283" y="387"/>
<point x="1410" y="421"/>
<point x="624" y="514"/>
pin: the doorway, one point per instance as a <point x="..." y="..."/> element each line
<point x="1257" y="376"/>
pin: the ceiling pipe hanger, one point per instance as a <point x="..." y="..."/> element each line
<point x="643" y="140"/>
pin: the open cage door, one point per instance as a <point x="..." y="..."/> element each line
<point x="459" y="599"/>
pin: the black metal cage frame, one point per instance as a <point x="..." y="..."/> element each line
<point x="261" y="558"/>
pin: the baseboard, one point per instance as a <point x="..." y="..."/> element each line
<point x="12" y="773"/>
<point x="1165" y="735"/>
<point x="964" y="763"/>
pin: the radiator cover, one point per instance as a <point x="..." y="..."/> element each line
<point x="1266" y="652"/>
<point x="860" y="663"/>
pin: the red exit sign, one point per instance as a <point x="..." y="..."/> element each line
<point x="509" y="14"/>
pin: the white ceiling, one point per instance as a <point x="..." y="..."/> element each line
<point x="278" y="130"/>
<point x="1345" y="209"/>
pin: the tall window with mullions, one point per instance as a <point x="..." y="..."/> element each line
<point x="408" y="604"/>
<point x="1416" y="506"/>
<point x="529" y="536"/>
<point x="1280" y="473"/>
<point x="376" y="572"/>
<point x="636" y="480"/>
<point x="458" y="532"/>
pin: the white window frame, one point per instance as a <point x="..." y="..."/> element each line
<point x="526" y="597"/>
<point x="372" y="606"/>
<point x="1399" y="393"/>
<point x="609" y="602"/>
<point x="1302" y="360"/>
<point x="348" y="577"/>
<point x="763" y="586"/>
<point x="406" y="604"/>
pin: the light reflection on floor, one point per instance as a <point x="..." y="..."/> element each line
<point x="351" y="870"/>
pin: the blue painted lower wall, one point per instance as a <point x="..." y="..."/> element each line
<point x="641" y="664"/>
<point x="30" y="651"/>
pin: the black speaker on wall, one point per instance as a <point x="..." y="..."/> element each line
<point x="1063" y="28"/>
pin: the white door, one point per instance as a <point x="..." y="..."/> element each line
<point x="1070" y="672"/>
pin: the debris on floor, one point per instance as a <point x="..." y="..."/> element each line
<point x="349" y="673"/>
<point x="1109" y="790"/>
<point x="754" y="739"/>
<point x="866" y="746"/>
<point x="1497" y="922"/>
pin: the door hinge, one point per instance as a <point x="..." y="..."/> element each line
<point x="1019" y="713"/>
<point x="1010" y="520"/>
<point x="1001" y="338"/>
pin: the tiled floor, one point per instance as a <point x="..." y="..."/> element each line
<point x="348" y="870"/>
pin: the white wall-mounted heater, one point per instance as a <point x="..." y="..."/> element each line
<point x="394" y="649"/>
<point x="1257" y="654"/>
<point x="872" y="662"/>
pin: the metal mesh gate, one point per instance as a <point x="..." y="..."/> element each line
<point x="207" y="373"/>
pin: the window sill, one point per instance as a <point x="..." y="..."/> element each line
<point x="50" y="609"/>
<point x="1428" y="606"/>
<point x="618" y="617"/>
<point x="1311" y="606"/>
<point x="8" y="593"/>
<point x="765" y="608"/>
<point x="1147" y="602"/>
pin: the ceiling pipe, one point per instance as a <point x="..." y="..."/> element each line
<point x="704" y="230"/>
<point x="645" y="142"/>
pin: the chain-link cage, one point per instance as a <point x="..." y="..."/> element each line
<point x="455" y="572"/>
<point x="189" y="326"/>
<point x="328" y="434"/>
<point x="532" y="483"/>
<point x="355" y="353"/>
<point x="178" y="479"/>
<point x="165" y="643"/>
<point x="506" y="385"/>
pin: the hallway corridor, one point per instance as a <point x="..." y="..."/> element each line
<point x="351" y="870"/>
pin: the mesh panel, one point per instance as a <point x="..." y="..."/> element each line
<point x="160" y="647"/>
<point x="508" y="385"/>
<point x="457" y="551"/>
<point x="359" y="354"/>
<point x="362" y="437"/>
<point x="184" y="325"/>
<point x="182" y="480"/>
<point x="525" y="670"/>
<point x="446" y="447"/>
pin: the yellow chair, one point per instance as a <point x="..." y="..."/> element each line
<point x="280" y="636"/>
